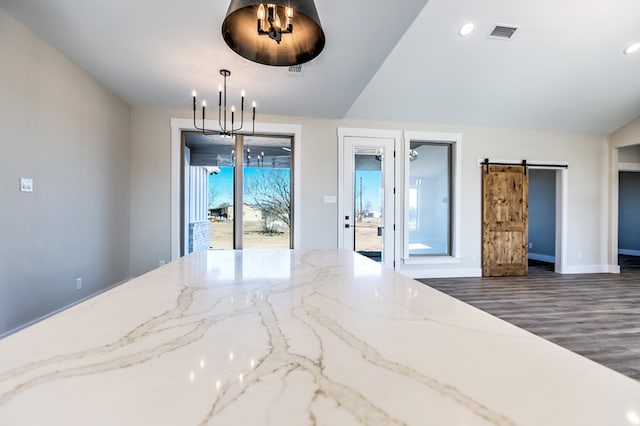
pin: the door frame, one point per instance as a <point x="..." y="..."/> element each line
<point x="178" y="125"/>
<point x="395" y="135"/>
<point x="562" y="203"/>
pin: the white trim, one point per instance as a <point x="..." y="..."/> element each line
<point x="629" y="252"/>
<point x="562" y="219"/>
<point x="442" y="273"/>
<point x="628" y="167"/>
<point x="591" y="269"/>
<point x="431" y="260"/>
<point x="395" y="135"/>
<point x="542" y="257"/>
<point x="180" y="124"/>
<point x="455" y="140"/>
<point x="614" y="194"/>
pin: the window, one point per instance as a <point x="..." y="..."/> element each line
<point x="431" y="176"/>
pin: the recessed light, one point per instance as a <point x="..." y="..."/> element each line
<point x="466" y="29"/>
<point x="632" y="49"/>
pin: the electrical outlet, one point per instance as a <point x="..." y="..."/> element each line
<point x="161" y="263"/>
<point x="78" y="283"/>
<point x="530" y="245"/>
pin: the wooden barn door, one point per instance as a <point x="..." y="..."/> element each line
<point x="504" y="220"/>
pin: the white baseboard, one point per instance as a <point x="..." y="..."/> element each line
<point x="64" y="308"/>
<point x="542" y="257"/>
<point x="442" y="273"/>
<point x="629" y="252"/>
<point x="591" y="269"/>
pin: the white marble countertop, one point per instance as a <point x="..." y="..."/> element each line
<point x="295" y="338"/>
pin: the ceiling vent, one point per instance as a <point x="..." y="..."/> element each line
<point x="296" y="70"/>
<point x="503" y="32"/>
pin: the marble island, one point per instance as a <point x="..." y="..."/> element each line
<point x="298" y="337"/>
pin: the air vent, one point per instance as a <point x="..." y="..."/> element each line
<point x="503" y="32"/>
<point x="296" y="70"/>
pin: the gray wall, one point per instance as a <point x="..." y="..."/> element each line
<point x="629" y="211"/>
<point x="629" y="154"/>
<point x="59" y="127"/>
<point x="542" y="212"/>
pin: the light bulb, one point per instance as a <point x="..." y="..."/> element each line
<point x="219" y="87"/>
<point x="242" y="93"/>
<point x="632" y="49"/>
<point x="289" y="12"/>
<point x="466" y="29"/>
<point x="193" y="93"/>
<point x="261" y="11"/>
<point x="204" y="104"/>
<point x="277" y="21"/>
<point x="253" y="104"/>
<point x="233" y="108"/>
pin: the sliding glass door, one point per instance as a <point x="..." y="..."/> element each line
<point x="249" y="195"/>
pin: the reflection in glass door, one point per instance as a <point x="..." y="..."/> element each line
<point x="368" y="204"/>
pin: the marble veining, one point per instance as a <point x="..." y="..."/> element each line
<point x="292" y="338"/>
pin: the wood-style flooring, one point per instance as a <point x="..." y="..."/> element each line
<point x="594" y="315"/>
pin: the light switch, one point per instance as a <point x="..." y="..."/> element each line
<point x="26" y="184"/>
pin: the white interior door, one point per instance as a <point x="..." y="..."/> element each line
<point x="367" y="204"/>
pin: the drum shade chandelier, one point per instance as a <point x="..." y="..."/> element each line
<point x="279" y="33"/>
<point x="224" y="128"/>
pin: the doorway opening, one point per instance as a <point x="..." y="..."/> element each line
<point x="542" y="219"/>
<point x="628" y="220"/>
<point x="237" y="192"/>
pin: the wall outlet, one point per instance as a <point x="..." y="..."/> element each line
<point x="530" y="245"/>
<point x="78" y="283"/>
<point x="161" y="263"/>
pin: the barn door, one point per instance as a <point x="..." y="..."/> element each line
<point x="504" y="220"/>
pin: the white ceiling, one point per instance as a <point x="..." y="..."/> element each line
<point x="392" y="61"/>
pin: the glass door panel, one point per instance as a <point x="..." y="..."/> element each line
<point x="249" y="178"/>
<point x="368" y="207"/>
<point x="266" y="210"/>
<point x="217" y="155"/>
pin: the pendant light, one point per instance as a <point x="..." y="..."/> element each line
<point x="278" y="33"/>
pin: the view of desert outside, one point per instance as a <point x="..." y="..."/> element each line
<point x="266" y="209"/>
<point x="367" y="238"/>
<point x="253" y="236"/>
<point x="266" y="212"/>
<point x="368" y="210"/>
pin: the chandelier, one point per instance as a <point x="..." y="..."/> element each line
<point x="225" y="129"/>
<point x="279" y="33"/>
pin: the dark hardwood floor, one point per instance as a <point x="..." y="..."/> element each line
<point x="594" y="315"/>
